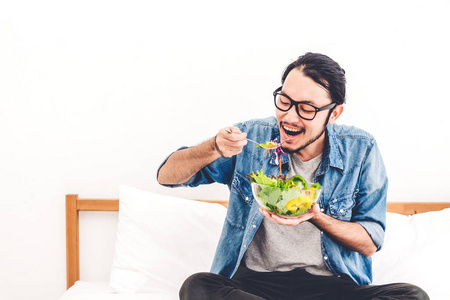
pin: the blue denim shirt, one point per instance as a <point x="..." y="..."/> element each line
<point x="354" y="183"/>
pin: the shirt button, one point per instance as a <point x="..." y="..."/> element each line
<point x="322" y="210"/>
<point x="325" y="257"/>
<point x="341" y="211"/>
<point x="246" y="198"/>
<point x="245" y="246"/>
<point x="254" y="226"/>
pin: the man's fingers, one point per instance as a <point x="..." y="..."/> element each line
<point x="284" y="221"/>
<point x="230" y="141"/>
<point x="233" y="129"/>
<point x="234" y="134"/>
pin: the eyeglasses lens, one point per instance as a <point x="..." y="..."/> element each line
<point x="305" y="111"/>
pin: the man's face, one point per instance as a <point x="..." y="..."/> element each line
<point x="300" y="134"/>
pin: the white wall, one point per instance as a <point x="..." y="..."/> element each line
<point x="96" y="93"/>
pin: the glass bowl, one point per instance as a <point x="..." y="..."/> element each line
<point x="285" y="202"/>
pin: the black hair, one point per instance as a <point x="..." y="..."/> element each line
<point x="322" y="70"/>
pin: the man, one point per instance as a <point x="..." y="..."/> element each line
<point x="323" y="254"/>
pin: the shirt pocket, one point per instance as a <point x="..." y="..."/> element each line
<point x="341" y="208"/>
<point x="242" y="188"/>
<point x="240" y="202"/>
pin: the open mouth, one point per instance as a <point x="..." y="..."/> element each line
<point x="292" y="131"/>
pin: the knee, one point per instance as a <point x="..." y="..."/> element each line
<point x="417" y="292"/>
<point x="194" y="287"/>
<point x="412" y="291"/>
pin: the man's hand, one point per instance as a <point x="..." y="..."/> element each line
<point x="184" y="163"/>
<point x="229" y="144"/>
<point x="315" y="209"/>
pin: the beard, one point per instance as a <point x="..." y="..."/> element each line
<point x="306" y="144"/>
<point x="312" y="140"/>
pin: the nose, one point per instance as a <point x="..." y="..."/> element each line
<point x="291" y="115"/>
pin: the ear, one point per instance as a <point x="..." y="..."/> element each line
<point x="337" y="111"/>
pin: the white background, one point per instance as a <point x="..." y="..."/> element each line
<point x="97" y="93"/>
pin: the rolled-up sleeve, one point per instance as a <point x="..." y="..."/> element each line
<point x="375" y="231"/>
<point x="162" y="164"/>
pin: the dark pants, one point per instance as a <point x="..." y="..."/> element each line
<point x="296" y="284"/>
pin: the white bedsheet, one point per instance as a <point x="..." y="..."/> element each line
<point x="83" y="290"/>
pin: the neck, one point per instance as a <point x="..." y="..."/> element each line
<point x="312" y="150"/>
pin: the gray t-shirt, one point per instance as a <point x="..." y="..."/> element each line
<point x="278" y="247"/>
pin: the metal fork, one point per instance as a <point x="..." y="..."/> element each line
<point x="262" y="146"/>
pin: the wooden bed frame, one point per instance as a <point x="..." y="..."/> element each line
<point x="75" y="204"/>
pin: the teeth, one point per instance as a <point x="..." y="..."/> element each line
<point x="292" y="129"/>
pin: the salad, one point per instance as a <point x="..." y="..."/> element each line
<point x="284" y="196"/>
<point x="269" y="145"/>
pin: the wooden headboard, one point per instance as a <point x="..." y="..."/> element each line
<point x="75" y="204"/>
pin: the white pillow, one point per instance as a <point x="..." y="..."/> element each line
<point x="415" y="251"/>
<point x="161" y="240"/>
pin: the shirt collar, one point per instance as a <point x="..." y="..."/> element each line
<point x="335" y="155"/>
<point x="331" y="154"/>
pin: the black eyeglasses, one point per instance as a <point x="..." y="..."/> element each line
<point x="304" y="110"/>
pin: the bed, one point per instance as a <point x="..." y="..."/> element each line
<point x="149" y="262"/>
